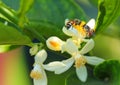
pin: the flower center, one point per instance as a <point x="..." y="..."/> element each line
<point x="35" y="74"/>
<point x="77" y="42"/>
<point x="80" y="62"/>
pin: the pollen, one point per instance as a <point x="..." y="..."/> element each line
<point x="80" y="62"/>
<point x="56" y="45"/>
<point x="35" y="74"/>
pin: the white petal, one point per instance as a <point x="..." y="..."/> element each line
<point x="94" y="60"/>
<point x="39" y="82"/>
<point x="43" y="79"/>
<point x="89" y="46"/>
<point x="54" y="43"/>
<point x="66" y="21"/>
<point x="41" y="56"/>
<point x="69" y="62"/>
<point x="59" y="67"/>
<point x="91" y="23"/>
<point x="52" y="66"/>
<point x="67" y="32"/>
<point x="70" y="47"/>
<point x="82" y="73"/>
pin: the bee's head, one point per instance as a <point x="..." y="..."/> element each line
<point x="69" y="29"/>
<point x="69" y="24"/>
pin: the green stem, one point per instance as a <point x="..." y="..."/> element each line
<point x="8" y="13"/>
<point x="30" y="45"/>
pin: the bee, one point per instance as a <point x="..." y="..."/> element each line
<point x="79" y="28"/>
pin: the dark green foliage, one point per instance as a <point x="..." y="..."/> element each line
<point x="108" y="71"/>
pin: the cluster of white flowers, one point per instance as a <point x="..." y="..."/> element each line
<point x="71" y="46"/>
<point x="38" y="74"/>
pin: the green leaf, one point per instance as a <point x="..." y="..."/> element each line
<point x="55" y="12"/>
<point x="47" y="17"/>
<point x="25" y="6"/>
<point x="109" y="71"/>
<point x="107" y="13"/>
<point x="94" y="2"/>
<point x="10" y="35"/>
<point x="113" y="30"/>
<point x="4" y="48"/>
<point x="41" y="31"/>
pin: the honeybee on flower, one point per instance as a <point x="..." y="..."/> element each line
<point x="79" y="29"/>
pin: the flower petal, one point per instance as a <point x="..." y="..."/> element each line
<point x="41" y="56"/>
<point x="89" y="46"/>
<point x="91" y="23"/>
<point x="66" y="21"/>
<point x="70" y="32"/>
<point x="94" y="60"/>
<point x="54" y="43"/>
<point x="69" y="62"/>
<point x="82" y="73"/>
<point x="59" y="67"/>
<point x="70" y="47"/>
<point x="39" y="76"/>
<point x="52" y="66"/>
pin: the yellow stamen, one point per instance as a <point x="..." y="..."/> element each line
<point x="56" y="45"/>
<point x="35" y="74"/>
<point x="80" y="62"/>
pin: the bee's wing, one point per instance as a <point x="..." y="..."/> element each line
<point x="91" y="23"/>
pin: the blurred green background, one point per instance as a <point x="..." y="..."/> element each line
<point x="17" y="63"/>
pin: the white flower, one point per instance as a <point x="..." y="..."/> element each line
<point x="77" y="56"/>
<point x="38" y="74"/>
<point x="54" y="43"/>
